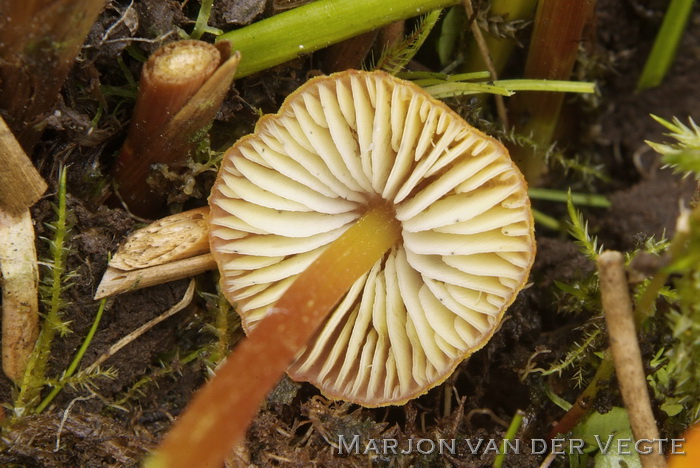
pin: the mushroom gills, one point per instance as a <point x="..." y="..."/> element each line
<point x="338" y="147"/>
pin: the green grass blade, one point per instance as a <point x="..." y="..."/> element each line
<point x="76" y="360"/>
<point x="587" y="199"/>
<point x="315" y="25"/>
<point x="664" y="50"/>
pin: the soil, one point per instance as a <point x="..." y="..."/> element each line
<point x="115" y="419"/>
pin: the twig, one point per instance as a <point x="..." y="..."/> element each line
<point x="484" y="50"/>
<point x="116" y="281"/>
<point x="20" y="187"/>
<point x="626" y="354"/>
<point x="184" y="302"/>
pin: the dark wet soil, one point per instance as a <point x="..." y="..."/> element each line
<point x="114" y="421"/>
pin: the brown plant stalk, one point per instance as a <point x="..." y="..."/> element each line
<point x="181" y="88"/>
<point x="559" y="29"/>
<point x="626" y="353"/>
<point x="39" y="40"/>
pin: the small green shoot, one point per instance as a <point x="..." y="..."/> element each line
<point x="556" y="399"/>
<point x="508" y="87"/>
<point x="666" y="43"/>
<point x="586" y="199"/>
<point x="578" y="228"/>
<point x="68" y="373"/>
<point x="200" y="25"/>
<point x="545" y="220"/>
<point x="513" y="429"/>
<point x="397" y="55"/>
<point x="52" y="290"/>
<point x="441" y="85"/>
<point x="684" y="154"/>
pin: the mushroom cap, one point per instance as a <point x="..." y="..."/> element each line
<point x="338" y="145"/>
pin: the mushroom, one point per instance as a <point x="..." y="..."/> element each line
<point x="339" y="147"/>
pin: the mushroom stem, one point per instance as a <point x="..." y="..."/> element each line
<point x="220" y="413"/>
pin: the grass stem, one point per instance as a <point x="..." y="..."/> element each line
<point x="316" y="25"/>
<point x="666" y="43"/>
<point x="513" y="428"/>
<point x="76" y="360"/>
<point x="586" y="199"/>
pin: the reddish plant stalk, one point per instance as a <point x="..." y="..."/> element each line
<point x="182" y="87"/>
<point x="221" y="411"/>
<point x="499" y="48"/>
<point x="39" y="40"/>
<point x="559" y="29"/>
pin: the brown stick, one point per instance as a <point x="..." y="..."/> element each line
<point x="39" y="40"/>
<point x="20" y="183"/>
<point x="486" y="56"/>
<point x="116" y="281"/>
<point x="184" y="302"/>
<point x="626" y="354"/>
